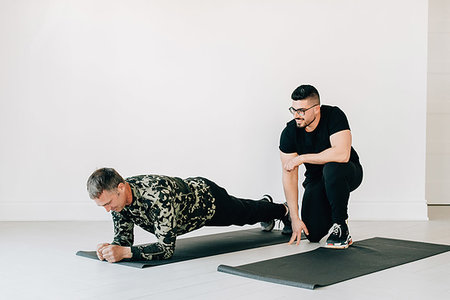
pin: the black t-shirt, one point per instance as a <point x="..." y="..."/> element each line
<point x="297" y="140"/>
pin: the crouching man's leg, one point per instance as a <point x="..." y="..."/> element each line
<point x="315" y="210"/>
<point x="339" y="180"/>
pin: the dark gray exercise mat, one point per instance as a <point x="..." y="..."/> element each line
<point x="208" y="245"/>
<point x="323" y="266"/>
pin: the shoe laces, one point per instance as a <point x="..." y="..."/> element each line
<point x="278" y="224"/>
<point x="336" y="229"/>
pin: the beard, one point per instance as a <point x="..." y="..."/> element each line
<point x="300" y="125"/>
<point x="304" y="124"/>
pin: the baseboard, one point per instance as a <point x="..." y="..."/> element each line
<point x="85" y="211"/>
<point x="384" y="211"/>
<point x="439" y="212"/>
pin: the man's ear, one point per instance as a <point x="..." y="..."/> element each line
<point x="121" y="186"/>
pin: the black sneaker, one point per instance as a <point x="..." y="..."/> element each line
<point x="287" y="228"/>
<point x="339" y="237"/>
<point x="267" y="226"/>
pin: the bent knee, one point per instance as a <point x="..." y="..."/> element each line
<point x="314" y="238"/>
<point x="333" y="170"/>
<point x="315" y="235"/>
<point x="333" y="166"/>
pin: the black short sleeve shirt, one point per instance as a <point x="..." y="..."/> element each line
<point x="297" y="140"/>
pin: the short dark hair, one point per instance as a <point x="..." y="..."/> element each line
<point x="305" y="91"/>
<point x="103" y="179"/>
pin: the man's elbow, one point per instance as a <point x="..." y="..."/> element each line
<point x="167" y="256"/>
<point x="161" y="256"/>
<point x="168" y="253"/>
<point x="344" y="157"/>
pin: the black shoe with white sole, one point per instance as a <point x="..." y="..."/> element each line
<point x="339" y="237"/>
<point x="267" y="226"/>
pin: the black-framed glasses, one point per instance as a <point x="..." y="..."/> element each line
<point x="301" y="111"/>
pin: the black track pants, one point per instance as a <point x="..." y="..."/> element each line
<point x="235" y="211"/>
<point x="325" y="200"/>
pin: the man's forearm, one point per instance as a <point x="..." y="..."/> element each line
<point x="290" y="186"/>
<point x="154" y="251"/>
<point x="332" y="154"/>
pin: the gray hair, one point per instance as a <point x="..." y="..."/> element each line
<point x="103" y="179"/>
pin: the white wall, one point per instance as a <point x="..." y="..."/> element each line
<point x="190" y="88"/>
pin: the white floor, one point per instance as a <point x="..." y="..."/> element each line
<point x="38" y="262"/>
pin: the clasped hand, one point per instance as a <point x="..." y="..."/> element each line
<point x="112" y="253"/>
<point x="293" y="163"/>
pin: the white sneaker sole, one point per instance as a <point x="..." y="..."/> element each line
<point x="345" y="246"/>
<point x="272" y="225"/>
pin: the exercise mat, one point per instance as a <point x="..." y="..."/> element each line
<point x="208" y="245"/>
<point x="322" y="266"/>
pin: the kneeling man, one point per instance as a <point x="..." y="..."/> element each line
<point x="319" y="138"/>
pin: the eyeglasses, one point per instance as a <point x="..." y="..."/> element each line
<point x="301" y="111"/>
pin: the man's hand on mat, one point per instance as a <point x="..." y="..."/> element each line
<point x="100" y="248"/>
<point x="113" y="253"/>
<point x="297" y="227"/>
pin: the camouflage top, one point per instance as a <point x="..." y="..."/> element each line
<point x="165" y="206"/>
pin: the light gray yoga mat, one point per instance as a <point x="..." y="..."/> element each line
<point x="208" y="245"/>
<point x="322" y="267"/>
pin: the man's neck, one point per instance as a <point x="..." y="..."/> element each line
<point x="129" y="194"/>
